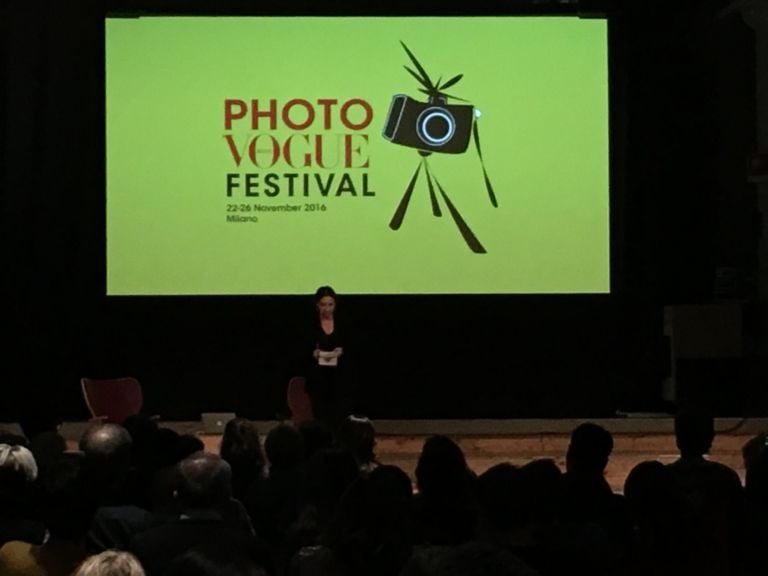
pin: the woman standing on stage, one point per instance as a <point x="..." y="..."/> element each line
<point x="324" y="382"/>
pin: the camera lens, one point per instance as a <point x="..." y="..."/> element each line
<point x="435" y="126"/>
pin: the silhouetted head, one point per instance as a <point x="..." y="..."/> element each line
<point x="499" y="496"/>
<point x="18" y="461"/>
<point x="442" y="468"/>
<point x="315" y="436"/>
<point x="143" y="431"/>
<point x="47" y="448"/>
<point x="188" y="444"/>
<point x="541" y="486"/>
<point x="241" y="444"/>
<point x="107" y="450"/>
<point x="694" y="432"/>
<point x="648" y="485"/>
<point x="67" y="502"/>
<point x="357" y="434"/>
<point x="589" y="450"/>
<point x="205" y="481"/>
<point x="284" y="447"/>
<point x="329" y="473"/>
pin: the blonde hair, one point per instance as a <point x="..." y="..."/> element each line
<point x="111" y="563"/>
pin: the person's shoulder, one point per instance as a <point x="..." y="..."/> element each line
<point x="725" y="472"/>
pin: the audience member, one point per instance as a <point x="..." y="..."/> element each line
<point x="357" y="434"/>
<point x="241" y="448"/>
<point x="712" y="489"/>
<point x="66" y="512"/>
<point x="107" y="452"/>
<point x="274" y="502"/>
<point x="111" y="563"/>
<point x="18" y="471"/>
<point x="204" y="489"/>
<point x="445" y="503"/>
<point x="588" y="498"/>
<point x="668" y="537"/>
<point x="315" y="437"/>
<point x="372" y="532"/>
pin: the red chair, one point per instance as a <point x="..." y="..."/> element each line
<point x="298" y="400"/>
<point x="112" y="399"/>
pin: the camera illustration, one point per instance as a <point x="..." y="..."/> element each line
<point x="433" y="126"/>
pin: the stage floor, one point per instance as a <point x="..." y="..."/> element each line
<point x="489" y="442"/>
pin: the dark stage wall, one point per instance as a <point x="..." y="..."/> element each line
<point x="683" y="214"/>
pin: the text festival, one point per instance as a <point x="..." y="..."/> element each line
<point x="325" y="136"/>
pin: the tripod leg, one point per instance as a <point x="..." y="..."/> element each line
<point x="397" y="217"/>
<point x="488" y="187"/>
<point x="466" y="233"/>
<point x="432" y="196"/>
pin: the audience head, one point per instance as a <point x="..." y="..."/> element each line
<point x="67" y="503"/>
<point x="442" y="468"/>
<point x="18" y="472"/>
<point x="391" y="484"/>
<point x="541" y="483"/>
<point x="329" y="473"/>
<point x="241" y="444"/>
<point x="284" y="447"/>
<point x="315" y="436"/>
<point x="108" y="444"/>
<point x="47" y="448"/>
<point x="110" y="563"/>
<point x="19" y="461"/>
<point x="357" y="434"/>
<point x="499" y="496"/>
<point x="143" y="431"/>
<point x="647" y="486"/>
<point x="591" y="446"/>
<point x="205" y="481"/>
<point x="188" y="444"/>
<point x="694" y="431"/>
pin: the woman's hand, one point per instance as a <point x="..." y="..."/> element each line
<point x="316" y="353"/>
<point x="338" y="351"/>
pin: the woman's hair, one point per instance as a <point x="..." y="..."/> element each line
<point x="110" y="563"/>
<point x="241" y="444"/>
<point x="20" y="460"/>
<point x="324" y="291"/>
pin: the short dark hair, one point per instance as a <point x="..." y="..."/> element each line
<point x="590" y="447"/>
<point x="694" y="431"/>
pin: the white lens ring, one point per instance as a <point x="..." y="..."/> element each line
<point x="426" y="117"/>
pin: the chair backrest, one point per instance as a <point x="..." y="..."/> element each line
<point x="112" y="399"/>
<point x="299" y="401"/>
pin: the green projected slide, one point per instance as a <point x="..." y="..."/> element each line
<point x="402" y="155"/>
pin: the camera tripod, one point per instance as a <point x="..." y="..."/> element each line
<point x="432" y="183"/>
